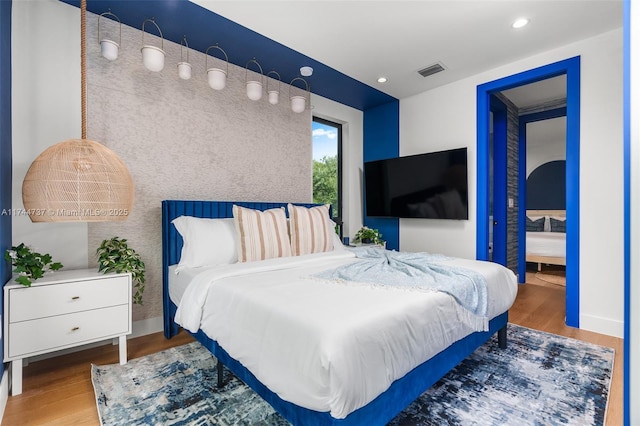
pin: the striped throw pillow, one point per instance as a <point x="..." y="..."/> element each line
<point x="261" y="234"/>
<point x="311" y="229"/>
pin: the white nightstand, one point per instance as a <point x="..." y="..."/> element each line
<point x="64" y="309"/>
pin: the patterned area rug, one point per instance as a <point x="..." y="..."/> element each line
<point x="539" y="379"/>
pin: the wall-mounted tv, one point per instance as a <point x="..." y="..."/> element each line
<point x="431" y="185"/>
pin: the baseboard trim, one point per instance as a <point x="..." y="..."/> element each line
<point x="602" y="325"/>
<point x="146" y="326"/>
<point x="4" y="391"/>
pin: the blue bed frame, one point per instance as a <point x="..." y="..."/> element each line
<point x="381" y="410"/>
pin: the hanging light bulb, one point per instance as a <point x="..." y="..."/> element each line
<point x="152" y="56"/>
<point x="298" y="102"/>
<point x="273" y="94"/>
<point x="109" y="48"/>
<point x="184" y="67"/>
<point x="217" y="77"/>
<point x="254" y="87"/>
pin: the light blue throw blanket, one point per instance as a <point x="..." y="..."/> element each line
<point x="414" y="271"/>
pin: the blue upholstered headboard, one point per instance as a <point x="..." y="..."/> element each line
<point x="172" y="241"/>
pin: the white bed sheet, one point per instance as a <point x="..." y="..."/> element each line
<point x="552" y="244"/>
<point x="327" y="346"/>
<point x="179" y="281"/>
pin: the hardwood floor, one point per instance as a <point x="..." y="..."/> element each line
<point x="58" y="391"/>
<point x="541" y="306"/>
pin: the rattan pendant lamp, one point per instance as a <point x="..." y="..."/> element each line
<point x="78" y="180"/>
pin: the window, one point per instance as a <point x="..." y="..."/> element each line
<point x="327" y="166"/>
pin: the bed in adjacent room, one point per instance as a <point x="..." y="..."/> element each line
<point x="546" y="238"/>
<point x="305" y="322"/>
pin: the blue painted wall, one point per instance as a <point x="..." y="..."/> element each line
<point x="546" y="187"/>
<point x="204" y="28"/>
<point x="382" y="140"/>
<point x="5" y="147"/>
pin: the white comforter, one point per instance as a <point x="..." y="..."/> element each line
<point x="322" y="345"/>
<point x="547" y="244"/>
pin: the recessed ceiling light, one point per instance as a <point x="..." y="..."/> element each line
<point x="519" y="23"/>
<point x="382" y="79"/>
<point x="306" y="71"/>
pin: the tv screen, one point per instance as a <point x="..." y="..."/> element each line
<point x="432" y="185"/>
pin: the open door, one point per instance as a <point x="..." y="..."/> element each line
<point x="498" y="186"/>
<point x="570" y="67"/>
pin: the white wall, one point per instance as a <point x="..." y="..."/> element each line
<point x="46" y="110"/>
<point x="445" y="118"/>
<point x="352" y="142"/>
<point x="546" y="141"/>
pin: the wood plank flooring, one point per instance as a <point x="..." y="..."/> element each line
<point x="541" y="306"/>
<point x="58" y="391"/>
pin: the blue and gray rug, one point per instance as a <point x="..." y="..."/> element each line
<point x="540" y="379"/>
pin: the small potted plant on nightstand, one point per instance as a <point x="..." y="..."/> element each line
<point x="30" y="265"/>
<point x="114" y="255"/>
<point x="366" y="235"/>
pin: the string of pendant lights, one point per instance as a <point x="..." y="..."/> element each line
<point x="153" y="58"/>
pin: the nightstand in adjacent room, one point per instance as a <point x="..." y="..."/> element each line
<point x="62" y="310"/>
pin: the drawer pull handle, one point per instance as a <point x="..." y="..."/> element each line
<point x="75" y="298"/>
<point x="75" y="329"/>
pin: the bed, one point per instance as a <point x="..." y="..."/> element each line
<point x="313" y="383"/>
<point x="546" y="237"/>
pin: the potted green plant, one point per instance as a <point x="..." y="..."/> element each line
<point x="29" y="265"/>
<point x="366" y="235"/>
<point x="115" y="255"/>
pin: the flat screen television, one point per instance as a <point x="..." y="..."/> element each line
<point x="431" y="185"/>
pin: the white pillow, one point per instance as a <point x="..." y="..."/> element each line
<point x="206" y="242"/>
<point x="337" y="243"/>
<point x="261" y="234"/>
<point x="311" y="229"/>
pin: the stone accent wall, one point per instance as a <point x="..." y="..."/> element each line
<point x="512" y="181"/>
<point x="183" y="140"/>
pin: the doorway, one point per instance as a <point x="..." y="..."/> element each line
<point x="571" y="68"/>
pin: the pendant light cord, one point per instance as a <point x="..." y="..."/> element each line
<point x="83" y="65"/>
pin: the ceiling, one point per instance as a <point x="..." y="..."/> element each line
<point x="395" y="39"/>
<point x="350" y="44"/>
<point x="539" y="93"/>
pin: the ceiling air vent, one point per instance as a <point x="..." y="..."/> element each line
<point x="430" y="70"/>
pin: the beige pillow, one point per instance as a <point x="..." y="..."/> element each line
<point x="311" y="229"/>
<point x="261" y="234"/>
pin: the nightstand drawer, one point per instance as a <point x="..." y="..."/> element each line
<point x="47" y="334"/>
<point x="57" y="299"/>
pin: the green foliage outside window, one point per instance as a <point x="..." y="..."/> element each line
<point x="325" y="182"/>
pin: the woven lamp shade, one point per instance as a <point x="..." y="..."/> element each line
<point x="77" y="180"/>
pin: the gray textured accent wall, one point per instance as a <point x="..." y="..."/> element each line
<point x="512" y="181"/>
<point x="183" y="140"/>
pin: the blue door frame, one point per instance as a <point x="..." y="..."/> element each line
<point x="570" y="67"/>
<point x="5" y="148"/>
